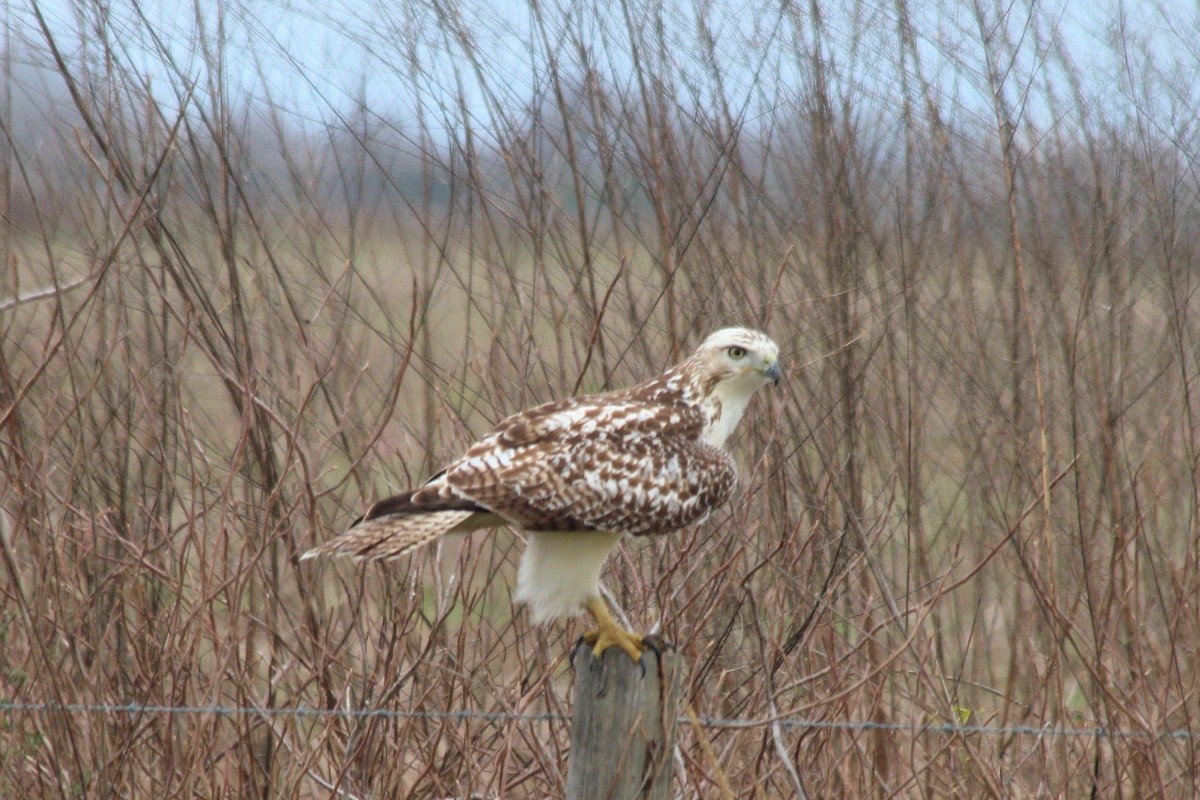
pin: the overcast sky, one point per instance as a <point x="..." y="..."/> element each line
<point x="319" y="60"/>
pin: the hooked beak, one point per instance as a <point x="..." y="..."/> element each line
<point x="774" y="373"/>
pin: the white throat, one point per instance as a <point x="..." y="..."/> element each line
<point x="724" y="411"/>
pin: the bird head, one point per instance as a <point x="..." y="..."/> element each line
<point x="741" y="356"/>
<point x="731" y="365"/>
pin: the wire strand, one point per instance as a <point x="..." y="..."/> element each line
<point x="134" y="709"/>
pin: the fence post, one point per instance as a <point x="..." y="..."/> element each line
<point x="623" y="730"/>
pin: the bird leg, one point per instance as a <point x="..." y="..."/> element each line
<point x="609" y="634"/>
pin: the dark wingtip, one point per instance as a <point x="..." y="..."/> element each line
<point x="403" y="504"/>
<point x="396" y="504"/>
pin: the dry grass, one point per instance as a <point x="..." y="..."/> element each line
<point x="974" y="500"/>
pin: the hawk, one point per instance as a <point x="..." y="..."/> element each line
<point x="578" y="474"/>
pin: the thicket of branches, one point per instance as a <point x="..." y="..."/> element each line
<point x="232" y="313"/>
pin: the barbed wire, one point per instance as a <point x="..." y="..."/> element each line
<point x="791" y="723"/>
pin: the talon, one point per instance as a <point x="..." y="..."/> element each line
<point x="580" y="642"/>
<point x="609" y="634"/>
<point x="656" y="644"/>
<point x="600" y="640"/>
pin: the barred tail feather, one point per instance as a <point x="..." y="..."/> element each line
<point x="391" y="535"/>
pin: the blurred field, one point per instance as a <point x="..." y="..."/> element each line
<point x="228" y="322"/>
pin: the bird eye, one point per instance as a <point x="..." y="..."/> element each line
<point x="736" y="352"/>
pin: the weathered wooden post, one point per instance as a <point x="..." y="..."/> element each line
<point x="623" y="731"/>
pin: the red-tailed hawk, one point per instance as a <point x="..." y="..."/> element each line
<point x="579" y="474"/>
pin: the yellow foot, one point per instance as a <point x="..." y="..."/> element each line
<point x="609" y="634"/>
<point x="604" y="638"/>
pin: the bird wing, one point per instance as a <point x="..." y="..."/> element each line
<point x="609" y="462"/>
<point x="612" y="463"/>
